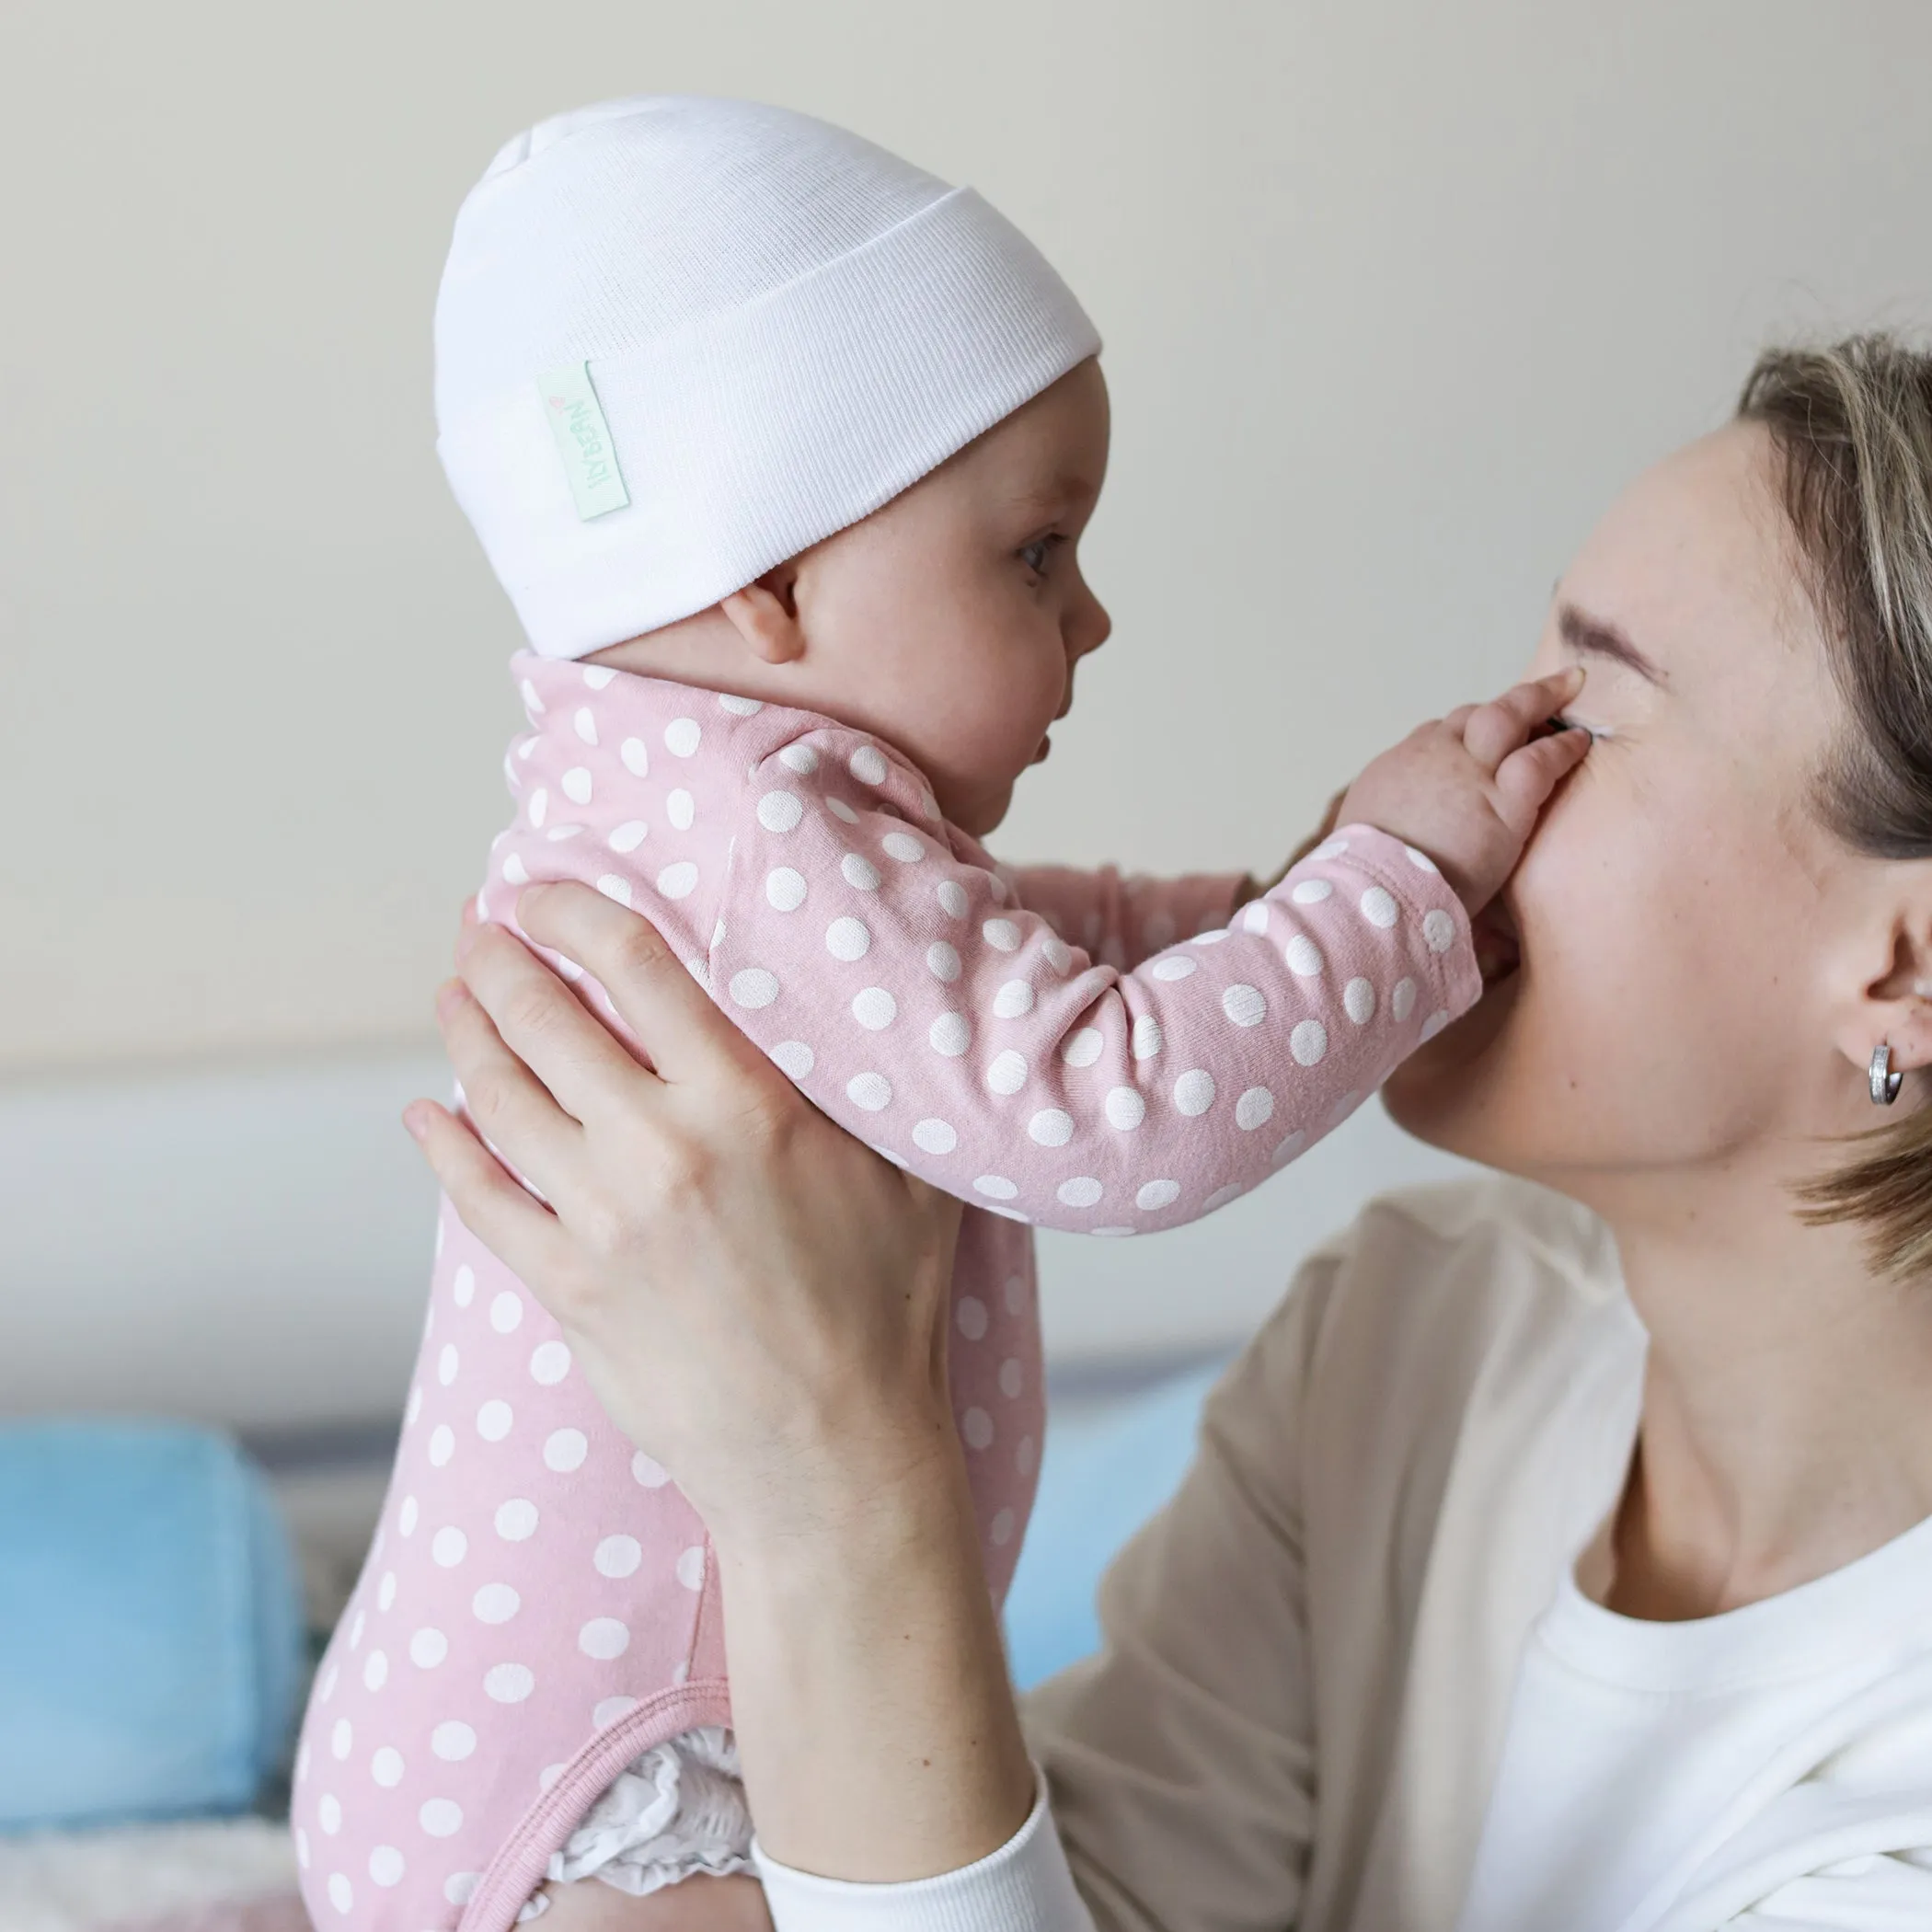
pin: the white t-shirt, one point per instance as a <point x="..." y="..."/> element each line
<point x="1349" y="1685"/>
<point x="1637" y="1751"/>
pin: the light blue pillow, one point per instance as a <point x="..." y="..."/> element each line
<point x="1108" y="1468"/>
<point x="150" y="1630"/>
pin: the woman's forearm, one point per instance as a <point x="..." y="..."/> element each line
<point x="875" y="1722"/>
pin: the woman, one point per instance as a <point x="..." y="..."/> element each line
<point x="1547" y="1562"/>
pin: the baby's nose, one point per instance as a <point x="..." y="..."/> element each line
<point x="1091" y="627"/>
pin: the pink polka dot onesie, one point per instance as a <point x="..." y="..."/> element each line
<point x="1073" y="1049"/>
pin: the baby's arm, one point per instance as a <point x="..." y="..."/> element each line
<point x="921" y="1006"/>
<point x="1121" y="920"/>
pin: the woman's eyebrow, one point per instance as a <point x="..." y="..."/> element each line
<point x="1597" y="638"/>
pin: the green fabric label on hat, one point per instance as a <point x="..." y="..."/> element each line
<point x="583" y="439"/>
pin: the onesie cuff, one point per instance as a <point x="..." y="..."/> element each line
<point x="1025" y="1886"/>
<point x="1415" y="882"/>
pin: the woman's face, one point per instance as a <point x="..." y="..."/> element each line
<point x="1679" y="998"/>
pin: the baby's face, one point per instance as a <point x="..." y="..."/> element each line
<point x="950" y="622"/>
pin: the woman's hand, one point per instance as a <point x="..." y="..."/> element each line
<point x="758" y="1299"/>
<point x="759" y="1302"/>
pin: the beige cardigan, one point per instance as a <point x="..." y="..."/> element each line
<point x="1309" y="1656"/>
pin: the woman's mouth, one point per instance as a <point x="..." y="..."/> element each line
<point x="1499" y="945"/>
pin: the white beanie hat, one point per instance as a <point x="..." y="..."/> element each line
<point x="680" y="341"/>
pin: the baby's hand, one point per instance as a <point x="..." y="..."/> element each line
<point x="1468" y="788"/>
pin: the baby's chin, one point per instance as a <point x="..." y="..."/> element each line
<point x="979" y="812"/>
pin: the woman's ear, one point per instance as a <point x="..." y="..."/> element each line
<point x="1895" y="1007"/>
<point x="765" y="617"/>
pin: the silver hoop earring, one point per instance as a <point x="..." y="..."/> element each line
<point x="1885" y="1084"/>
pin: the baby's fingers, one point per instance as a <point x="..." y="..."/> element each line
<point x="1525" y="779"/>
<point x="1495" y="730"/>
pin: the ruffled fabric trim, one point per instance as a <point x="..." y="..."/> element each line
<point x="674" y="1812"/>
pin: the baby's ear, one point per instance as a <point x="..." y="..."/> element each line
<point x="765" y="617"/>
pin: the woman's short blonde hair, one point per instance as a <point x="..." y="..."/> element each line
<point x="1852" y="428"/>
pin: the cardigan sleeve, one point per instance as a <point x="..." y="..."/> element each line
<point x="1180" y="1757"/>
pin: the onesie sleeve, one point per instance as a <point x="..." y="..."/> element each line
<point x="885" y="964"/>
<point x="1122" y="920"/>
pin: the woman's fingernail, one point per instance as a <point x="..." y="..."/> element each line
<point x="449" y="996"/>
<point x="416" y="1122"/>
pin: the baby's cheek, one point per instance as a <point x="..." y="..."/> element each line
<point x="987" y="725"/>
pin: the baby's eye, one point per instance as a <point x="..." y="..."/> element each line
<point x="1037" y="555"/>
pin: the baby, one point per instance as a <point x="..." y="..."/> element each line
<point x="783" y="449"/>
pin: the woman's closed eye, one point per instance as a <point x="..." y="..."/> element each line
<point x="1562" y="721"/>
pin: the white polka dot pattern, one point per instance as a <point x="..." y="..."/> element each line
<point x="1007" y="1073"/>
<point x="753" y="987"/>
<point x="848" y="939"/>
<point x="951" y="1035"/>
<point x="871" y="1092"/>
<point x="875" y="1009"/>
<point x="1084" y="1047"/>
<point x="1024" y="1041"/>
<point x="794" y="1058"/>
<point x="1014" y="1000"/>
<point x="1194" y="1092"/>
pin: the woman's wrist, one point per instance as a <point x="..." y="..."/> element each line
<point x="875" y="1719"/>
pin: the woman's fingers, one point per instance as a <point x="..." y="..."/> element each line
<point x="494" y="1207"/>
<point x="1525" y="779"/>
<point x="1495" y="730"/>
<point x="544" y="1026"/>
<point x="673" y="1020"/>
<point x="512" y="1110"/>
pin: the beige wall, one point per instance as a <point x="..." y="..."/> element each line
<point x="1396" y="297"/>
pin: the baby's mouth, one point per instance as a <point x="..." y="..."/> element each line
<point x="1499" y="946"/>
